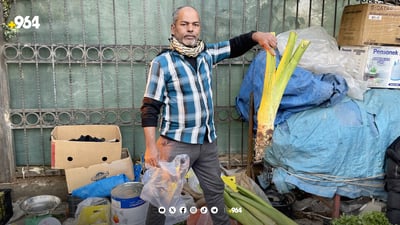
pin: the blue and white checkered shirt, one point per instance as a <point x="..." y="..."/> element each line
<point x="188" y="114"/>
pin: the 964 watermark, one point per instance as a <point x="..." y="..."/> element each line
<point x="11" y="28"/>
<point x="27" y="22"/>
<point x="235" y="210"/>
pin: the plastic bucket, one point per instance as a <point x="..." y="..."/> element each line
<point x="127" y="208"/>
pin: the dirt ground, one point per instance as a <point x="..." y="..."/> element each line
<point x="305" y="210"/>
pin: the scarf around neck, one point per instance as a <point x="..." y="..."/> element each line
<point x="185" y="50"/>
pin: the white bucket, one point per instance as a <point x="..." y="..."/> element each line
<point x="127" y="208"/>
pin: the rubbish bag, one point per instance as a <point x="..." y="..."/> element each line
<point x="92" y="201"/>
<point x="163" y="185"/>
<point x="100" y="188"/>
<point x="93" y="211"/>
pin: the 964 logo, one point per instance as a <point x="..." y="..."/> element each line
<point x="27" y="22"/>
<point x="236" y="210"/>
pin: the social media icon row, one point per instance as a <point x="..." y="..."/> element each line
<point x="182" y="210"/>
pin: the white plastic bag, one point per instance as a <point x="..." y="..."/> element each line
<point x="193" y="181"/>
<point x="93" y="210"/>
<point x="163" y="186"/>
<point x="323" y="56"/>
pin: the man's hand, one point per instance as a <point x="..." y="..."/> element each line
<point x="266" y="40"/>
<point x="151" y="156"/>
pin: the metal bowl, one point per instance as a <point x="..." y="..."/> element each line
<point x="40" y="205"/>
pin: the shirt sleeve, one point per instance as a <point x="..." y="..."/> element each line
<point x="155" y="84"/>
<point x="241" y="44"/>
<point x="153" y="96"/>
<point x="150" y="111"/>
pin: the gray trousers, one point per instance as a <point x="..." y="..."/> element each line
<point x="205" y="164"/>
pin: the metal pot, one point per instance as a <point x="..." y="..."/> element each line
<point x="40" y="205"/>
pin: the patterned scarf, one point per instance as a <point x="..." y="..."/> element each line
<point x="185" y="50"/>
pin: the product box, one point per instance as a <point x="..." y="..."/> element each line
<point x="370" y="24"/>
<point x="378" y="65"/>
<point x="67" y="152"/>
<point x="80" y="176"/>
<point x="358" y="55"/>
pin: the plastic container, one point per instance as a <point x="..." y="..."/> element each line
<point x="49" y="221"/>
<point x="127" y="208"/>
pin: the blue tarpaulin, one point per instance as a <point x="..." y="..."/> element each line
<point x="339" y="149"/>
<point x="304" y="90"/>
<point x="324" y="142"/>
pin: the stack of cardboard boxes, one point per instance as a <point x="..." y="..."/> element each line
<point x="370" y="33"/>
<point x="85" y="162"/>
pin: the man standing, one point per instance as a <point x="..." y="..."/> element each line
<point x="179" y="86"/>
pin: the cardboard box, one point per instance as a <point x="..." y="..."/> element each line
<point x="80" y="176"/>
<point x="370" y="24"/>
<point x="69" y="154"/>
<point x="383" y="67"/>
<point x="378" y="65"/>
<point x="358" y="55"/>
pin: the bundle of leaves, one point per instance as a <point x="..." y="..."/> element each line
<point x="369" y="218"/>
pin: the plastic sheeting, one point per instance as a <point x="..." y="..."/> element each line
<point x="304" y="90"/>
<point x="324" y="142"/>
<point x="338" y="149"/>
<point x="323" y="56"/>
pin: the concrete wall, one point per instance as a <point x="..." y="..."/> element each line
<point x="32" y="186"/>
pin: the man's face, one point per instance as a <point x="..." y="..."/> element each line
<point x="187" y="27"/>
